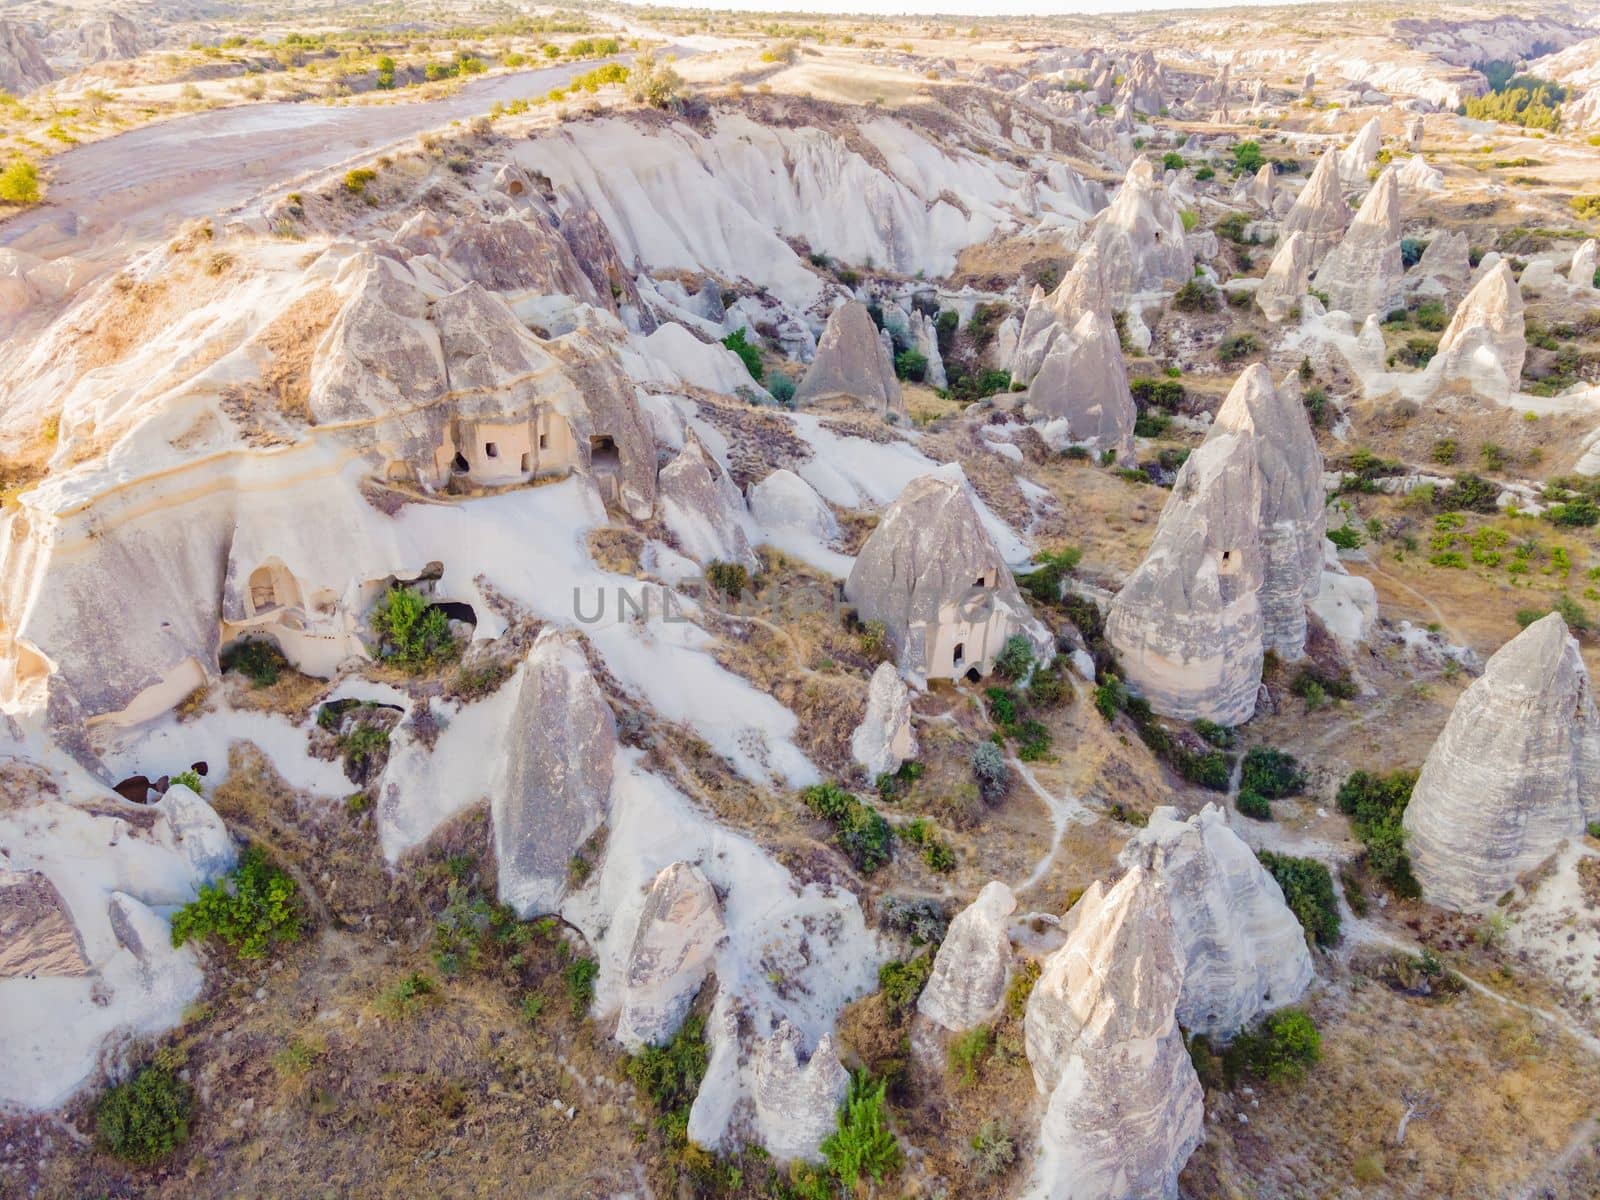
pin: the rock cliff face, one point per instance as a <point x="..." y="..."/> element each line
<point x="1287" y="278"/>
<point x="672" y="954"/>
<point x="1124" y="1108"/>
<point x="1483" y="348"/>
<point x="933" y="576"/>
<point x="1243" y="949"/>
<point x="1293" y="513"/>
<point x="108" y="38"/>
<point x="1319" y="211"/>
<point x="1140" y="238"/>
<point x="1585" y="261"/>
<point x="973" y="965"/>
<point x="22" y="64"/>
<point x="796" y="1104"/>
<point x="1445" y="270"/>
<point x="852" y="361"/>
<point x="703" y="508"/>
<point x="885" y="739"/>
<point x="1514" y="773"/>
<point x="558" y="774"/>
<point x="1363" y="274"/>
<point x="1081" y="390"/>
<point x="1187" y="626"/>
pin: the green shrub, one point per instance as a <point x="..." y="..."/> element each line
<point x="1346" y="537"/>
<point x="1236" y="346"/>
<point x="1197" y="295"/>
<point x="578" y="978"/>
<point x="1469" y="493"/>
<point x="411" y="632"/>
<point x="1205" y="173"/>
<point x="670" y="1075"/>
<point x="861" y="832"/>
<point x="782" y="389"/>
<point x="19" y="182"/>
<point x="1280" y="1050"/>
<point x="968" y="1052"/>
<point x="1220" y="736"/>
<point x="1308" y="890"/>
<point x="1375" y="805"/>
<point x="993" y="1150"/>
<point x="1255" y="805"/>
<point x="1272" y="773"/>
<point x="399" y="1001"/>
<point x="730" y="579"/>
<point x="1015" y="657"/>
<point x="1172" y="161"/>
<point x="862" y="1143"/>
<point x="901" y="981"/>
<point x="990" y="770"/>
<point x="257" y="659"/>
<point x="145" y="1118"/>
<point x="1580" y="512"/>
<point x="356" y="180"/>
<point x="1044" y="584"/>
<point x="748" y="354"/>
<point x="912" y="365"/>
<point x="1247" y="156"/>
<point x="251" y="907"/>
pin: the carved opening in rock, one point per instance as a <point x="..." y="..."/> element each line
<point x="1228" y="563"/>
<point x="201" y="768"/>
<point x="959" y="654"/>
<point x="459" y="463"/>
<point x="516" y="187"/>
<point x="135" y="788"/>
<point x="455" y="610"/>
<point x="603" y="454"/>
<point x="525" y="463"/>
<point x="490" y="450"/>
<point x="273" y="586"/>
<point x="544" y="441"/>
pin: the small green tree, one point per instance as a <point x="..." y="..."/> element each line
<point x="748" y="354"/>
<point x="19" y="182"/>
<point x="412" y="632"/>
<point x="250" y="908"/>
<point x="145" y="1118"/>
<point x="863" y="1144"/>
<point x="1015" y="657"/>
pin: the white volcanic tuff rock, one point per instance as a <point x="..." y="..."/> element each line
<point x="1287" y="278"/>
<point x="1483" y="347"/>
<point x="885" y="739"/>
<point x="925" y="340"/>
<point x="785" y="501"/>
<point x="1515" y="772"/>
<point x="1082" y="390"/>
<point x="741" y="187"/>
<point x="1415" y="128"/>
<point x="1361" y="155"/>
<point x="1364" y="273"/>
<point x="1243" y="949"/>
<point x="973" y="965"/>
<point x="702" y="364"/>
<point x="1140" y="238"/>
<point x="1445" y="270"/>
<point x="557" y="774"/>
<point x="110" y="37"/>
<point x="1584" y="264"/>
<point x="852" y="361"/>
<point x="519" y="253"/>
<point x="702" y="507"/>
<point x="931" y="573"/>
<point x="1187" y="626"/>
<point x="672" y="955"/>
<point x="1293" y="512"/>
<point x="22" y="64"/>
<point x="1124" y="1109"/>
<point x="796" y="1104"/>
<point x="37" y="933"/>
<point x="1047" y="317"/>
<point x="1417" y="176"/>
<point x="1320" y="211"/>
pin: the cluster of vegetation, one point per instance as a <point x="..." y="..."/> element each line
<point x="859" y="829"/>
<point x="1375" y="805"/>
<point x="1279" y="1050"/>
<point x="1308" y="890"/>
<point x="1571" y="501"/>
<point x="1207" y="764"/>
<point x="861" y="1147"/>
<point x="146" y="1117"/>
<point x="1574" y="614"/>
<point x="19" y="182"/>
<point x="258" y="660"/>
<point x="412" y="633"/>
<point x="1523" y="100"/>
<point x="1010" y="708"/>
<point x="936" y="852"/>
<point x="670" y="1076"/>
<point x="748" y="354"/>
<point x="654" y="83"/>
<point x="1044" y="583"/>
<point x="1197" y="295"/>
<point x="990" y="771"/>
<point x="727" y="578"/>
<point x="1267" y="775"/>
<point x="249" y="909"/>
<point x="900" y="983"/>
<point x="1318" y="688"/>
<point x="1236" y="346"/>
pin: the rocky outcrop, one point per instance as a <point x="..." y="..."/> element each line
<point x="925" y="341"/>
<point x="1287" y="278"/>
<point x="1187" y="625"/>
<point x="1515" y="772"/>
<point x="1445" y="270"/>
<point x="108" y="38"/>
<point x="973" y="965"/>
<point x="1319" y="211"/>
<point x="932" y="575"/>
<point x="1361" y="155"/>
<point x="1483" y="347"/>
<point x="1124" y="1108"/>
<point x="1081" y="390"/>
<point x="1140" y="238"/>
<point x="558" y="774"/>
<point x="1364" y="274"/>
<point x="22" y="63"/>
<point x="1584" y="265"/>
<point x="885" y="739"/>
<point x="37" y="933"/>
<point x="1417" y="176"/>
<point x="1414" y="131"/>
<point x="1244" y="951"/>
<point x="796" y="1104"/>
<point x="852" y="361"/>
<point x="703" y="508"/>
<point x="1293" y="512"/>
<point x="671" y="956"/>
<point x="785" y="501"/>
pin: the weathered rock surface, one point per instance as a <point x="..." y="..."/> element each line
<point x="1364" y="273"/>
<point x="1320" y="211"/>
<point x="671" y="956"/>
<point x="1293" y="513"/>
<point x="785" y="501"/>
<point x="1483" y="347"/>
<point x="1243" y="948"/>
<point x="1287" y="278"/>
<point x="931" y="573"/>
<point x="1187" y="626"/>
<point x="1124" y="1109"/>
<point x="1140" y="238"/>
<point x="973" y="965"/>
<point x="1584" y="264"/>
<point x="1081" y="389"/>
<point x="559" y="767"/>
<point x="1445" y="271"/>
<point x="1361" y="155"/>
<point x="22" y="63"/>
<point x="1515" y="772"/>
<point x="796" y="1104"/>
<point x="885" y="739"/>
<point x="1417" y="176"/>
<point x="704" y="509"/>
<point x="852" y="361"/>
<point x="108" y="38"/>
<point x="37" y="933"/>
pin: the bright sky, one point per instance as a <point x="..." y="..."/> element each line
<point x="975" y="8"/>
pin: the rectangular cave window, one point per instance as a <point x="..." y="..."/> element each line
<point x="526" y="463"/>
<point x="544" y="441"/>
<point x="603" y="453"/>
<point x="490" y="450"/>
<point x="959" y="656"/>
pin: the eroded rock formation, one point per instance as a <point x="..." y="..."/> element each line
<point x="973" y="964"/>
<point x="885" y="739"/>
<point x="796" y="1103"/>
<point x="1320" y="211"/>
<point x="703" y="508"/>
<point x="1286" y="279"/>
<point x="1364" y="274"/>
<point x="1483" y="347"/>
<point x="1140" y="238"/>
<point x="852" y="361"/>
<point x="671" y="956"/>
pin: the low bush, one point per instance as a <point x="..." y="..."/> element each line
<point x="1015" y="657"/>
<point x="731" y="579"/>
<point x="1375" y="805"/>
<point x="1308" y="890"/>
<point x="578" y="978"/>
<point x="145" y="1118"/>
<point x="748" y="354"/>
<point x="993" y="1150"/>
<point x="990" y="770"/>
<point x="249" y="909"/>
<point x="356" y="180"/>
<point x="863" y="1143"/>
<point x="1236" y="346"/>
<point x="1280" y="1050"/>
<point x="412" y="632"/>
<point x="19" y="182"/>
<point x="1272" y="773"/>
<point x="781" y="388"/>
<point x="860" y="830"/>
<point x="901" y="981"/>
<point x="1197" y="295"/>
<point x="936" y="852"/>
<point x="912" y="365"/>
<point x="670" y="1075"/>
<point x="258" y="660"/>
<point x="967" y="1054"/>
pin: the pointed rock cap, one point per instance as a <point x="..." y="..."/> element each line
<point x="851" y="361"/>
<point x="1320" y="211"/>
<point x="973" y="964"/>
